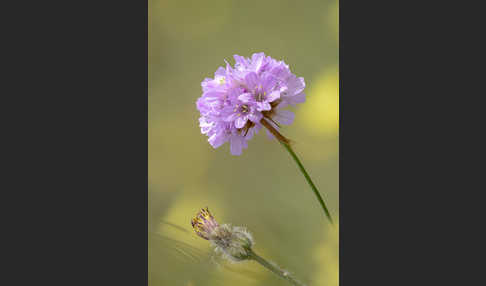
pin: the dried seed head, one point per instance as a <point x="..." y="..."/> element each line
<point x="232" y="241"/>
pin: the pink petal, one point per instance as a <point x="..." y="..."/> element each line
<point x="298" y="98"/>
<point x="274" y="95"/>
<point x="263" y="106"/>
<point x="246" y="97"/>
<point x="220" y="72"/>
<point x="257" y="60"/>
<point x="236" y="145"/>
<point x="284" y="116"/>
<point x="251" y="80"/>
<point x="230" y="117"/>
<point x="217" y="140"/>
<point x="269" y="82"/>
<point x="240" y="121"/>
<point x="296" y="85"/>
<point x="255" y="117"/>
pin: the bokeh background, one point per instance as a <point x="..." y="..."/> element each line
<point x="262" y="189"/>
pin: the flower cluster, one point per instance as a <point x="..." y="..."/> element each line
<point x="238" y="101"/>
<point x="233" y="242"/>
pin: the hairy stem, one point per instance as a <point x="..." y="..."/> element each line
<point x="275" y="269"/>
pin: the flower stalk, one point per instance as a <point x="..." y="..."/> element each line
<point x="286" y="143"/>
<point x="275" y="132"/>
<point x="275" y="269"/>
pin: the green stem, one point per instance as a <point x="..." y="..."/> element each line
<point x="275" y="269"/>
<point x="307" y="177"/>
<point x="286" y="143"/>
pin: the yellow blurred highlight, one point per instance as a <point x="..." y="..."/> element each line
<point x="321" y="111"/>
<point x="327" y="256"/>
<point x="183" y="209"/>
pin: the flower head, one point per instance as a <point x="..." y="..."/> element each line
<point x="232" y="241"/>
<point x="238" y="101"/>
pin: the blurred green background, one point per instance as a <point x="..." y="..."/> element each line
<point x="262" y="189"/>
